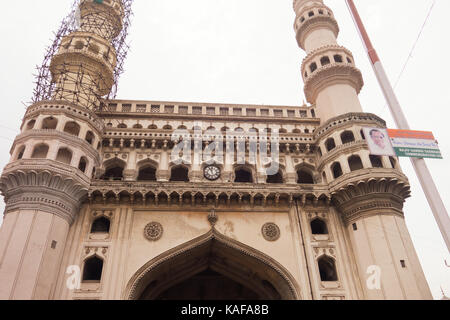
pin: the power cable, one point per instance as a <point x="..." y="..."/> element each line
<point x="411" y="51"/>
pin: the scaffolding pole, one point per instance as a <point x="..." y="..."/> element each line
<point x="422" y="172"/>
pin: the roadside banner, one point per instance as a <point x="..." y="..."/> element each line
<point x="414" y="144"/>
<point x="379" y="142"/>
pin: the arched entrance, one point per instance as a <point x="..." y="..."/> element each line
<point x="212" y="267"/>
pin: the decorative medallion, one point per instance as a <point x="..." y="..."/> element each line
<point x="271" y="232"/>
<point x="153" y="231"/>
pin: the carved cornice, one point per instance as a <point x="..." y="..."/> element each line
<point x="346" y="119"/>
<point x="179" y="193"/>
<point x="55" y="167"/>
<point x="330" y="74"/>
<point x="42" y="190"/>
<point x="370" y="194"/>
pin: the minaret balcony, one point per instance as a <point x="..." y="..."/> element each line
<point x="329" y="65"/>
<point x="312" y="18"/>
<point x="370" y="192"/>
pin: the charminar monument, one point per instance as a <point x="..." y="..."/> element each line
<point x="117" y="199"/>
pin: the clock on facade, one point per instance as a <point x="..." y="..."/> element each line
<point x="212" y="173"/>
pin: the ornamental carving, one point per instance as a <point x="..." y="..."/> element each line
<point x="271" y="232"/>
<point x="153" y="231"/>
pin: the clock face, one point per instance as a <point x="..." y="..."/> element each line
<point x="212" y="173"/>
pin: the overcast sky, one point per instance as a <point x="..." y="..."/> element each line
<point x="244" y="51"/>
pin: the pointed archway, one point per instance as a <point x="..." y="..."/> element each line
<point x="195" y="269"/>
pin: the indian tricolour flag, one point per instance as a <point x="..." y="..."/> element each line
<point x="414" y="144"/>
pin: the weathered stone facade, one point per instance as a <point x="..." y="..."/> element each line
<point x="96" y="185"/>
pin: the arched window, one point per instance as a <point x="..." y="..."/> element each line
<point x="30" y="124"/>
<point x="318" y="226"/>
<point x="167" y="127"/>
<point x="101" y="225"/>
<point x="327" y="269"/>
<point x="243" y="175"/>
<point x="338" y="58"/>
<point x="49" y="123"/>
<point x="20" y="153"/>
<point x="93" y="268"/>
<point x="282" y="130"/>
<point x="393" y="162"/>
<point x="313" y="67"/>
<point x="83" y="164"/>
<point x="355" y="163"/>
<point x="72" y="128"/>
<point x="152" y="127"/>
<point x="330" y="144"/>
<point x="147" y="173"/>
<point x="122" y="126"/>
<point x="40" y="152"/>
<point x="304" y="177"/>
<point x="376" y="161"/>
<point x="324" y="61"/>
<point x="275" y="178"/>
<point x="90" y="137"/>
<point x="337" y="170"/>
<point x="137" y="126"/>
<point x="79" y="45"/>
<point x="179" y="174"/>
<point x="182" y="127"/>
<point x="224" y="129"/>
<point x="114" y="171"/>
<point x="347" y="137"/>
<point x="297" y="131"/>
<point x="64" y="155"/>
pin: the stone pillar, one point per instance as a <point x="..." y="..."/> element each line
<point x="381" y="243"/>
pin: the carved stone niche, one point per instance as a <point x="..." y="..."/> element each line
<point x="323" y="216"/>
<point x="88" y="253"/>
<point x="100" y="235"/>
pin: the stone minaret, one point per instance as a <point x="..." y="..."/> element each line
<point x="368" y="191"/>
<point x="54" y="157"/>
<point x="332" y="81"/>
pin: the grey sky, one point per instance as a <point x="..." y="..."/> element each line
<point x="244" y="51"/>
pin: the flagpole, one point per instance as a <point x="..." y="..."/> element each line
<point x="420" y="167"/>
